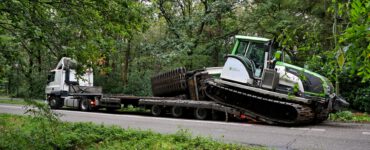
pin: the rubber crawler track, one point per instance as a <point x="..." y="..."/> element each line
<point x="296" y="113"/>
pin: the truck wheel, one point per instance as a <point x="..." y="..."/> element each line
<point x="156" y="110"/>
<point x="201" y="113"/>
<point x="85" y="104"/>
<point x="54" y="102"/>
<point x="177" y="111"/>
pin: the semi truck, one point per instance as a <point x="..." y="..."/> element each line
<point x="255" y="82"/>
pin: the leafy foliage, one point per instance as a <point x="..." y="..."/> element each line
<point x="126" y="42"/>
<point x="349" y="117"/>
<point x="360" y="98"/>
<point x="356" y="36"/>
<point x="36" y="34"/>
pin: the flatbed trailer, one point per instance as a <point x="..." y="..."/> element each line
<point x="211" y="108"/>
<point x="177" y="107"/>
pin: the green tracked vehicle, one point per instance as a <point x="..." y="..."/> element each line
<point x="256" y="81"/>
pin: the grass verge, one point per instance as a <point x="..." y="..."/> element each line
<point x="27" y="132"/>
<point x="9" y="101"/>
<point x="348" y="116"/>
<point x="131" y="108"/>
<point x="19" y="101"/>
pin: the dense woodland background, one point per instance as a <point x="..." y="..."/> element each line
<point x="127" y="41"/>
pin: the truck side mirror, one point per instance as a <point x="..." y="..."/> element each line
<point x="67" y="76"/>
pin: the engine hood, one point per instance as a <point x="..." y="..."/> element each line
<point x="314" y="84"/>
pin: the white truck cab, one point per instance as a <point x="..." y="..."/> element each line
<point x="64" y="75"/>
<point x="66" y="88"/>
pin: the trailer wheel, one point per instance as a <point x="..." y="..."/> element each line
<point x="85" y="104"/>
<point x="54" y="102"/>
<point x="201" y="113"/>
<point x="177" y="111"/>
<point x="156" y="110"/>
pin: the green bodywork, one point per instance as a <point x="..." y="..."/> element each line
<point x="322" y="78"/>
<point x="235" y="47"/>
<point x="278" y="55"/>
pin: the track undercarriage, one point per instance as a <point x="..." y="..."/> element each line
<point x="259" y="106"/>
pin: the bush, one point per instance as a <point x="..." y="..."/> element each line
<point x="30" y="132"/>
<point x="360" y="98"/>
<point x="139" y="84"/>
<point x="342" y="116"/>
<point x="348" y="116"/>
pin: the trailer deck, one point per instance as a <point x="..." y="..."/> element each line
<point x="117" y="101"/>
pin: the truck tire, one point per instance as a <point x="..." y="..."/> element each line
<point x="156" y="110"/>
<point x="201" y="113"/>
<point x="85" y="104"/>
<point x="54" y="102"/>
<point x="177" y="111"/>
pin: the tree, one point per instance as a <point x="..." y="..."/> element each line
<point x="356" y="37"/>
<point x="41" y="32"/>
<point x="199" y="29"/>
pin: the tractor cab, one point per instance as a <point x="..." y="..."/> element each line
<point x="251" y="63"/>
<point x="253" y="50"/>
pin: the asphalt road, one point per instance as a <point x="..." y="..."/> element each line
<point x="328" y="135"/>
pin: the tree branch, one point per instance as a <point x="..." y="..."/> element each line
<point x="167" y="18"/>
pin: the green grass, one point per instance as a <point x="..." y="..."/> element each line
<point x="18" y="102"/>
<point x="9" y="101"/>
<point x="26" y="132"/>
<point x="348" y="116"/>
<point x="131" y="108"/>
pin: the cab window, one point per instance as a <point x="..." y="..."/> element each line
<point x="243" y="45"/>
<point x="51" y="77"/>
<point x="256" y="54"/>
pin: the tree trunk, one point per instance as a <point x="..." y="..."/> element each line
<point x="126" y="62"/>
<point x="29" y="74"/>
<point x="9" y="90"/>
<point x="39" y="60"/>
<point x="217" y="47"/>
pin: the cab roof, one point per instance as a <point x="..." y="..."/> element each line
<point x="252" y="38"/>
